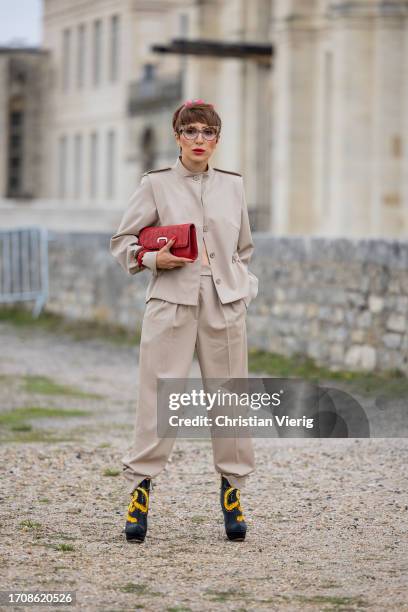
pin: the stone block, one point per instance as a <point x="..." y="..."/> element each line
<point x="361" y="357"/>
<point x="392" y="341"/>
<point x="375" y="303"/>
<point x="397" y="322"/>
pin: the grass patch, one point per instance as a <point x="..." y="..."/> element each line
<point x="282" y="366"/>
<point x="21" y="427"/>
<point x="336" y="603"/>
<point x="38" y="435"/>
<point x="390" y="383"/>
<point x="63" y="536"/>
<point x="131" y="587"/>
<point x="29" y="524"/>
<point x="331" y="603"/>
<point x="78" y="330"/>
<point x="13" y="426"/>
<point x="198" y="519"/>
<point x="111" y="472"/>
<point x="178" y="609"/>
<point x="64" y="547"/>
<point x="222" y="596"/>
<point x="46" y="386"/>
<point x="139" y="589"/>
<point x="15" y="418"/>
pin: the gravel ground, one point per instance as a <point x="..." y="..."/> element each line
<point x="327" y="519"/>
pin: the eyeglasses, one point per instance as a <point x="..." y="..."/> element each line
<point x="189" y="132"/>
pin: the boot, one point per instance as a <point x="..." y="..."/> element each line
<point x="136" y="520"/>
<point x="234" y="520"/>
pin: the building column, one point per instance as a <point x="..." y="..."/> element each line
<point x="295" y="37"/>
<point x="366" y="157"/>
<point x="390" y="123"/>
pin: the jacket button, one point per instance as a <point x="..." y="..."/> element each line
<point x="212" y="254"/>
<point x="218" y="280"/>
<point x="196" y="177"/>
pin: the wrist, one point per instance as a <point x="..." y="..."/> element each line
<point x="139" y="257"/>
<point x="149" y="261"/>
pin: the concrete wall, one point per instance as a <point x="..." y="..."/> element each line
<point x="342" y="302"/>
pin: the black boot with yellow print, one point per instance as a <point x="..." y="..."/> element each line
<point x="234" y="520"/>
<point x="136" y="520"/>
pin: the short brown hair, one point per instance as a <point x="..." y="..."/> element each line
<point x="197" y="111"/>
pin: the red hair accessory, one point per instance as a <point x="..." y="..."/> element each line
<point x="189" y="103"/>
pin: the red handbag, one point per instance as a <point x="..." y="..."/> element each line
<point x="153" y="238"/>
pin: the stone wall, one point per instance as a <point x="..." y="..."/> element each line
<point x="342" y="302"/>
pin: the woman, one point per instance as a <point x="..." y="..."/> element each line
<point x="190" y="304"/>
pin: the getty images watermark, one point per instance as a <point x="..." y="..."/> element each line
<point x="271" y="407"/>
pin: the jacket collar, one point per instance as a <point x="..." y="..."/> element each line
<point x="183" y="171"/>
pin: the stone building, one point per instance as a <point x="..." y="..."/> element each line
<point x="311" y="92"/>
<point x="100" y="57"/>
<point x="340" y="126"/>
<point x="23" y="106"/>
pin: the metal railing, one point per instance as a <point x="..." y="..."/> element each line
<point x="24" y="266"/>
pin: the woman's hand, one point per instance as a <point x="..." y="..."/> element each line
<point x="165" y="259"/>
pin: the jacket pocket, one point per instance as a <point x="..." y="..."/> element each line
<point x="253" y="285"/>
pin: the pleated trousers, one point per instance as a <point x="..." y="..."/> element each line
<point x="170" y="334"/>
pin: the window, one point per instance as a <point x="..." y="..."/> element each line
<point x="62" y="166"/>
<point x="16" y="118"/>
<point x="148" y="72"/>
<point x="110" y="164"/>
<point x="114" y="48"/>
<point x="15" y="161"/>
<point x="81" y="56"/>
<point x="15" y="141"/>
<point x="94" y="165"/>
<point x="97" y="51"/>
<point x="78" y="166"/>
<point x="14" y="185"/>
<point x="148" y="149"/>
<point x="66" y="55"/>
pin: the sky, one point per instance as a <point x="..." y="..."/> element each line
<point x="20" y="22"/>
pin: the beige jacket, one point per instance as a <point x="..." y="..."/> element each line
<point x="215" y="202"/>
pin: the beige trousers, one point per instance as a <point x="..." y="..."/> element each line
<point x="170" y="333"/>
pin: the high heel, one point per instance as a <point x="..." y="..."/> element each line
<point x="234" y="520"/>
<point x="136" y="520"/>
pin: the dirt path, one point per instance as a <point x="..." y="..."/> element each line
<point x="327" y="519"/>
